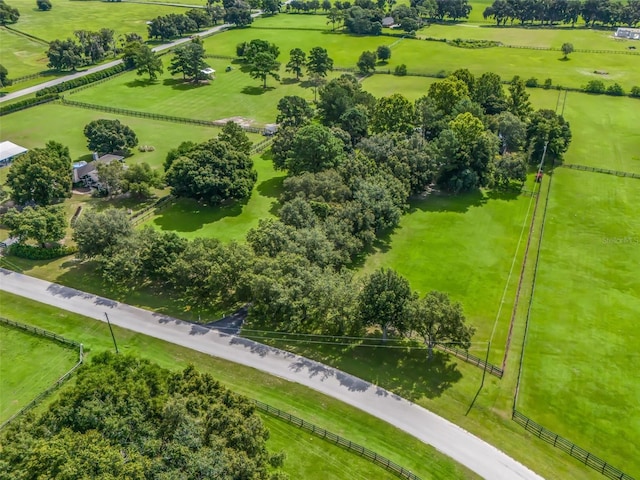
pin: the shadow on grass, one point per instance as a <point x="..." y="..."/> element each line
<point x="183" y="85"/>
<point x="271" y="188"/>
<point x="289" y="81"/>
<point x="403" y="371"/>
<point x="248" y="90"/>
<point x="138" y="82"/>
<point x="187" y="215"/>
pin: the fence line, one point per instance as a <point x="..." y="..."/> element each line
<point x="28" y="35"/>
<point x="343" y="442"/>
<point x="57" y="383"/>
<point x="154" y="116"/>
<point x="469" y="358"/>
<point x="142" y="215"/>
<point x="600" y="170"/>
<point x="98" y="82"/>
<point x="261" y="146"/>
<point x="589" y="459"/>
<point x="26" y="105"/>
<point x="24" y="78"/>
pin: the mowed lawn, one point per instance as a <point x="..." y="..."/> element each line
<point x="604" y="129"/>
<point x="463" y="245"/>
<point x="580" y="375"/>
<point x="20" y="55"/>
<point x="29" y="364"/>
<point x="383" y="85"/>
<point x="231" y="94"/>
<point x="65" y="124"/>
<point x="192" y="219"/>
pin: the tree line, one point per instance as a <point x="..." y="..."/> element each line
<point x="604" y="12"/>
<point x="88" y="48"/>
<point x="126" y="417"/>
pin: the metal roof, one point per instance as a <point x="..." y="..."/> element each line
<point x="9" y="150"/>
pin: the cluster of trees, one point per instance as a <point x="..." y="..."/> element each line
<point x="166" y="27"/>
<point x="368" y="60"/>
<point x="109" y="136"/>
<point x="215" y="171"/>
<point x="90" y="48"/>
<point x="188" y="59"/>
<point x="141" y="57"/>
<point x="42" y="224"/>
<point x="137" y="179"/>
<point x="605" y="12"/>
<point x="128" y="418"/>
<point x="42" y="176"/>
<point x="8" y="14"/>
<point x="4" y="76"/>
<point x="238" y="12"/>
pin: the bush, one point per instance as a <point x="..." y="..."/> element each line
<point x="29" y="102"/>
<point x="547" y="83"/>
<point x="635" y="92"/>
<point x="146" y="148"/>
<point x="532" y="82"/>
<point x="38" y="253"/>
<point x="43" y="5"/>
<point x="79" y="82"/>
<point x="401" y="70"/>
<point x="595" y="86"/>
<point x="615" y="90"/>
<point x="459" y="42"/>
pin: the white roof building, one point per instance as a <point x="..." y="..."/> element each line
<point x="8" y="151"/>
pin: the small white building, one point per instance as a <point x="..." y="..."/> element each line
<point x="629" y="33"/>
<point x="9" y="151"/>
<point x="208" y="72"/>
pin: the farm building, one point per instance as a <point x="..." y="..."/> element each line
<point x="9" y="151"/>
<point x="630" y="33"/>
<point x="388" y="21"/>
<point x="87" y="173"/>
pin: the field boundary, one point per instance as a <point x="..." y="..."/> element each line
<point x="57" y="383"/>
<point x="473" y="360"/>
<point x="586" y="168"/>
<point x="338" y="440"/>
<point x="153" y="116"/>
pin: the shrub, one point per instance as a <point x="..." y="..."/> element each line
<point x="401" y="70"/>
<point x="635" y="92"/>
<point x="547" y="83"/>
<point x="38" y="253"/>
<point x="29" y="102"/>
<point x="79" y="82"/>
<point x="595" y="86"/>
<point x="43" y="5"/>
<point x="146" y="148"/>
<point x="532" y="82"/>
<point x="615" y="90"/>
<point x="459" y="42"/>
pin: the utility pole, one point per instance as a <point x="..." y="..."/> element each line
<point x="111" y="330"/>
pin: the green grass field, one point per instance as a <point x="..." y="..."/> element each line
<point x="385" y="85"/>
<point x="293" y="398"/>
<point x="231" y="94"/>
<point x="192" y="219"/>
<point x="20" y="55"/>
<point x="308" y="455"/>
<point x="29" y="364"/>
<point x="65" y="124"/>
<point x="579" y="376"/>
<point x="464" y="245"/>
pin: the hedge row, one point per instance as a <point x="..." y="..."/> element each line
<point x="29" y="102"/>
<point x="38" y="253"/>
<point x="80" y="81"/>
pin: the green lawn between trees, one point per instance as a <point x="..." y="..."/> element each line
<point x="296" y="399"/>
<point x="29" y="364"/>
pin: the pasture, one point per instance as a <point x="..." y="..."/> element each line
<point x="579" y="376"/>
<point x="29" y="364"/>
<point x="191" y="219"/>
<point x="296" y="399"/>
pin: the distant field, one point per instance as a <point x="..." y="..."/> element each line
<point x="384" y="85"/>
<point x="605" y="129"/>
<point x="192" y="219"/>
<point x="580" y="364"/>
<point x="21" y="56"/>
<point x="65" y="124"/>
<point x="29" y="364"/>
<point x="232" y="93"/>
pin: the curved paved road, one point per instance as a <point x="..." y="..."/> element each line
<point x="467" y="449"/>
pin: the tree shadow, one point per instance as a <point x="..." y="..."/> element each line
<point x="563" y="59"/>
<point x="187" y="215"/>
<point x="271" y="188"/>
<point x="445" y="202"/>
<point x="139" y="82"/>
<point x="250" y="90"/>
<point x="182" y="84"/>
<point x="289" y="81"/>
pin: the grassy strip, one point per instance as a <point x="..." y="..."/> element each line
<point x="296" y="399"/>
<point x="28" y="365"/>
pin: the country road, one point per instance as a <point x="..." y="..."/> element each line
<point x="462" y="446"/>
<point x="98" y="68"/>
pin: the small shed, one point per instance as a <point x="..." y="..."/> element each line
<point x="9" y="151"/>
<point x="209" y="72"/>
<point x="270" y="129"/>
<point x="629" y="33"/>
<point x="388" y="21"/>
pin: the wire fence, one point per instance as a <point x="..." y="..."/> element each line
<point x="98" y="82"/>
<point x="142" y="215"/>
<point x="57" y="383"/>
<point x="586" y="168"/>
<point x="24" y="78"/>
<point x="155" y="116"/>
<point x="588" y="458"/>
<point x="338" y="440"/>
